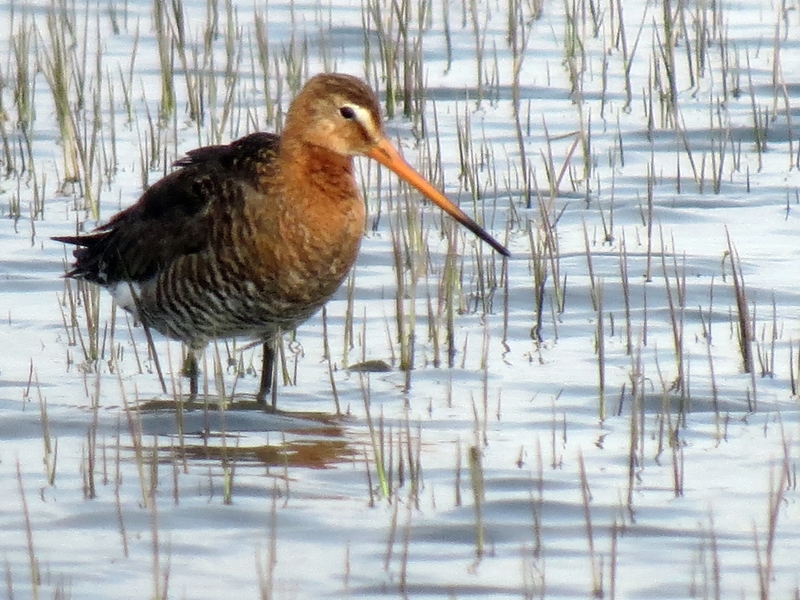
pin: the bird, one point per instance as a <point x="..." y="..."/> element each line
<point x="251" y="238"/>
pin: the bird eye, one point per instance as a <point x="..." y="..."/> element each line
<point x="347" y="112"/>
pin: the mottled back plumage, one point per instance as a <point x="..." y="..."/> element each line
<point x="176" y="216"/>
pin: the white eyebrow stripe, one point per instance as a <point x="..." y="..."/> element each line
<point x="364" y="117"/>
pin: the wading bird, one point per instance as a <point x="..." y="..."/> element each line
<point x="251" y="238"/>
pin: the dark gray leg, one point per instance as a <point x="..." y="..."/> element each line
<point x="192" y="371"/>
<point x="267" y="367"/>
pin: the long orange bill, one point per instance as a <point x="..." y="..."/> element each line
<point x="385" y="153"/>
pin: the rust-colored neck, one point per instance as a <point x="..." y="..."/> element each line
<point x="314" y="174"/>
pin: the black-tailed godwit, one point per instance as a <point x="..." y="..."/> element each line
<point x="252" y="238"/>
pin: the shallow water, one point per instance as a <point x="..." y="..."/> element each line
<point x="503" y="479"/>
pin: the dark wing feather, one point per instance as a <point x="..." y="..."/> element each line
<point x="176" y="215"/>
<point x="243" y="155"/>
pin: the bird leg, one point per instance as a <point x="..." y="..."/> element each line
<point x="267" y="367"/>
<point x="192" y="371"/>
